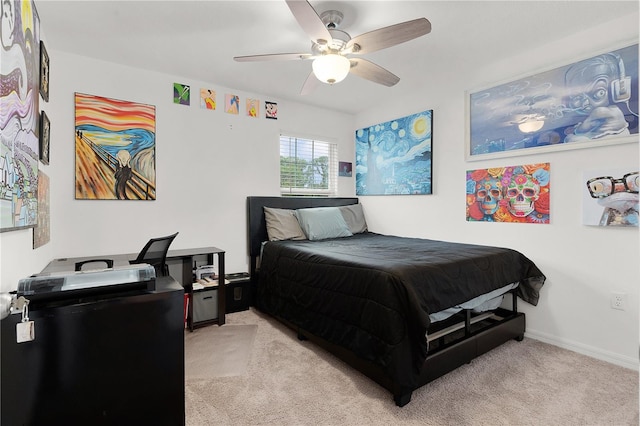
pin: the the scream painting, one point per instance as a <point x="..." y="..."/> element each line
<point x="509" y="194"/>
<point x="115" y="149"/>
<point x="19" y="106"/>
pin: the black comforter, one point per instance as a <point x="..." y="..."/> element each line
<point x="373" y="294"/>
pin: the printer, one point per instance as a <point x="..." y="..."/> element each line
<point x="73" y="285"/>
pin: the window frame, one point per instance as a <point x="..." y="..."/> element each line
<point x="332" y="178"/>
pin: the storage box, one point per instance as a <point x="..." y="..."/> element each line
<point x="205" y="305"/>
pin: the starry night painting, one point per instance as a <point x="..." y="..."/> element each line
<point x="394" y="158"/>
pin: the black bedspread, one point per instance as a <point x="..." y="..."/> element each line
<point x="373" y="294"/>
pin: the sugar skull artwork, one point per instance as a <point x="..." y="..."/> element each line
<point x="509" y="194"/>
<point x="610" y="197"/>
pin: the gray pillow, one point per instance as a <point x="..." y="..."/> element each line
<point x="354" y="216"/>
<point x="282" y="225"/>
<point x="320" y="223"/>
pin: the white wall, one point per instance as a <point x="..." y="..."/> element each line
<point x="208" y="162"/>
<point x="583" y="265"/>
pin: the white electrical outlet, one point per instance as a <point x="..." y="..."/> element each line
<point x="619" y="301"/>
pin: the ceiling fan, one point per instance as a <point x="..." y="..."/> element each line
<point x="332" y="49"/>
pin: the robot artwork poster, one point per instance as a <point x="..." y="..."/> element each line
<point x="517" y="194"/>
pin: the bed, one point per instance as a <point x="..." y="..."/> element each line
<point x="403" y="311"/>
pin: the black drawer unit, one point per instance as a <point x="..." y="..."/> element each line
<point x="238" y="292"/>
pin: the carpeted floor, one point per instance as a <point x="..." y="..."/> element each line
<point x="289" y="382"/>
<point x="218" y="351"/>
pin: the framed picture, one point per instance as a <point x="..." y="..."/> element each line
<point x="45" y="136"/>
<point x="20" y="142"/>
<point x="115" y="149"/>
<point x="610" y="197"/>
<point x="42" y="231"/>
<point x="590" y="102"/>
<point x="514" y="194"/>
<point x="344" y="168"/>
<point x="394" y="158"/>
<point x="44" y="72"/>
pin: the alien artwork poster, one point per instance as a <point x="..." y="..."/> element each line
<point x="19" y="106"/>
<point x="591" y="102"/>
<point x="394" y="158"/>
<point x="115" y="149"/>
<point x="517" y="194"/>
<point x="610" y="197"/>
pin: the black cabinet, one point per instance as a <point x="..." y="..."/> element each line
<point x="111" y="361"/>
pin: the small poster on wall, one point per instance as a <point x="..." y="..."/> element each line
<point x="208" y="99"/>
<point x="610" y="197"/>
<point x="253" y="107"/>
<point x="42" y="233"/>
<point x="517" y="194"/>
<point x="271" y="110"/>
<point x="231" y="104"/>
<point x="181" y="94"/>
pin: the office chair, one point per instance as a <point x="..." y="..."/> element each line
<point x="155" y="254"/>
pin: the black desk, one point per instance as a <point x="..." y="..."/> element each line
<point x="185" y="256"/>
<point x="114" y="360"/>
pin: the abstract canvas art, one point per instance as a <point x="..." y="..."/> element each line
<point x="44" y="72"/>
<point x="19" y="112"/>
<point x="115" y="149"/>
<point x="45" y="137"/>
<point x="394" y="158"/>
<point x="253" y="107"/>
<point x="231" y="104"/>
<point x="518" y="194"/>
<point x="42" y="232"/>
<point x="610" y="197"/>
<point x="208" y="99"/>
<point x="181" y="94"/>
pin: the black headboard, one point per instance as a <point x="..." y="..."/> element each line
<point x="257" y="227"/>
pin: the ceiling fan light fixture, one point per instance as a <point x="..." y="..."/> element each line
<point x="331" y="68"/>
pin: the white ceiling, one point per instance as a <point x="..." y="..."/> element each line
<point x="198" y="39"/>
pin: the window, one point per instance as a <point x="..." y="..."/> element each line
<point x="308" y="167"/>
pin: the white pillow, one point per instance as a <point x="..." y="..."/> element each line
<point x="320" y="223"/>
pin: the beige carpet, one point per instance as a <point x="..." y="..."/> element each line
<point x="214" y="351"/>
<point x="289" y="382"/>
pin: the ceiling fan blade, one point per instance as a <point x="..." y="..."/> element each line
<point x="273" y="57"/>
<point x="310" y="84"/>
<point x="389" y="36"/>
<point x="309" y="20"/>
<point x="370" y="71"/>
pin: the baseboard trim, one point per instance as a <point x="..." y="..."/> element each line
<point x="611" y="357"/>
